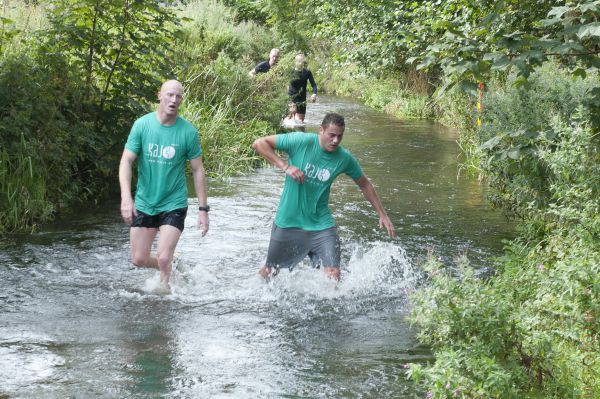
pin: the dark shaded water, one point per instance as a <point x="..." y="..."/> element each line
<point x="77" y="321"/>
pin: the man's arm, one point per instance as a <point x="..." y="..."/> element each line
<point x="313" y="84"/>
<point x="265" y="146"/>
<point x="371" y="195"/>
<point x="197" y="167"/>
<point x="125" y="172"/>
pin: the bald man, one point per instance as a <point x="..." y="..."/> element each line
<point x="161" y="142"/>
<point x="265" y="66"/>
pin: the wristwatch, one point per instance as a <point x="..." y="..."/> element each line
<point x="204" y="208"/>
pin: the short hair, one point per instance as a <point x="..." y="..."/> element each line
<point x="333" y="118"/>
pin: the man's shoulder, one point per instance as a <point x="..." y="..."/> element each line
<point x="343" y="151"/>
<point x="302" y="137"/>
<point x="262" y="66"/>
<point x="185" y="126"/>
<point x="145" y="121"/>
<point x="295" y="139"/>
<point x="150" y="116"/>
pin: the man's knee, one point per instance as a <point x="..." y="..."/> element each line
<point x="163" y="258"/>
<point x="139" y="260"/>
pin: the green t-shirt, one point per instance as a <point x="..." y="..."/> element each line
<point x="162" y="152"/>
<point x="306" y="205"/>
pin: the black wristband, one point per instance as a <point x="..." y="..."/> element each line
<point x="204" y="208"/>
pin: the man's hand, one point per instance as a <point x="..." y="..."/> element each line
<point x="385" y="222"/>
<point x="313" y="98"/>
<point x="128" y="210"/>
<point x="203" y="222"/>
<point x="295" y="173"/>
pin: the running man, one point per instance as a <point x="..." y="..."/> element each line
<point x="265" y="66"/>
<point x="297" y="88"/>
<point x="161" y="142"/>
<point x="303" y="223"/>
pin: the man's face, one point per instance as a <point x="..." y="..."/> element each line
<point x="299" y="61"/>
<point x="170" y="97"/>
<point x="273" y="57"/>
<point x="330" y="137"/>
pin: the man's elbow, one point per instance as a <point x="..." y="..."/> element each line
<point x="256" y="145"/>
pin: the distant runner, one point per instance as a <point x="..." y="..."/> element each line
<point x="297" y="88"/>
<point x="161" y="142"/>
<point x="291" y="121"/>
<point x="303" y="223"/>
<point x="265" y="66"/>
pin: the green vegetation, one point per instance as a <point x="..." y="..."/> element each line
<point x="531" y="329"/>
<point x="79" y="72"/>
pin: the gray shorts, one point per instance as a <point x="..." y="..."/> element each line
<point x="289" y="246"/>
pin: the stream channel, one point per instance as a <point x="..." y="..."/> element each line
<point x="78" y="321"/>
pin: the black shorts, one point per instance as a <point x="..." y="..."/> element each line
<point x="289" y="246"/>
<point x="300" y="105"/>
<point x="173" y="218"/>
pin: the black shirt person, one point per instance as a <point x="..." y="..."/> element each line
<point x="297" y="88"/>
<point x="265" y="66"/>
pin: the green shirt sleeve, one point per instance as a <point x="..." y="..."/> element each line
<point x="194" y="149"/>
<point x="288" y="142"/>
<point x="354" y="170"/>
<point x="134" y="141"/>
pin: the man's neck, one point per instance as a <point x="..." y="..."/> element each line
<point x="165" y="119"/>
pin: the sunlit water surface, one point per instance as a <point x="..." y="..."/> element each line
<point x="78" y="321"/>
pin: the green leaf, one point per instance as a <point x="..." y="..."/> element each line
<point x="580" y="72"/>
<point x="558" y="12"/>
<point x="589" y="30"/>
<point x="469" y="87"/>
<point x="493" y="142"/>
<point x="501" y="63"/>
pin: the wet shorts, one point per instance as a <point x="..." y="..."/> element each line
<point x="289" y="246"/>
<point x="174" y="218"/>
<point x="300" y="104"/>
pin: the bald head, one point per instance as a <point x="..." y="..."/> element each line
<point x="170" y="97"/>
<point x="171" y="85"/>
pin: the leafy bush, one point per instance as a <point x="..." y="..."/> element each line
<point x="531" y="331"/>
<point x="516" y="124"/>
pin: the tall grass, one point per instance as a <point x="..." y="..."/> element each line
<point x="22" y="193"/>
<point x="229" y="108"/>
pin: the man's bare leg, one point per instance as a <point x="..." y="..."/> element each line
<point x="332" y="272"/>
<point x="141" y="239"/>
<point x="266" y="272"/>
<point x="167" y="241"/>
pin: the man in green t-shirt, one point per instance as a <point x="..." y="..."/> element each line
<point x="161" y="142"/>
<point x="303" y="223"/>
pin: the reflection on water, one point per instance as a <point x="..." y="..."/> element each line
<point x="77" y="320"/>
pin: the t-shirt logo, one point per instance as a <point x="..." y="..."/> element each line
<point x="323" y="174"/>
<point x="314" y="172"/>
<point x="156" y="151"/>
<point x="168" y="152"/>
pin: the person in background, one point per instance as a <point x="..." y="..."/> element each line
<point x="291" y="120"/>
<point x="297" y="87"/>
<point x="303" y="223"/>
<point x="161" y="142"/>
<point x="265" y="66"/>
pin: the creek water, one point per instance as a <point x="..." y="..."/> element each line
<point x="78" y="321"/>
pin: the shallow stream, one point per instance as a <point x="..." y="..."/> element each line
<point x="78" y="321"/>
